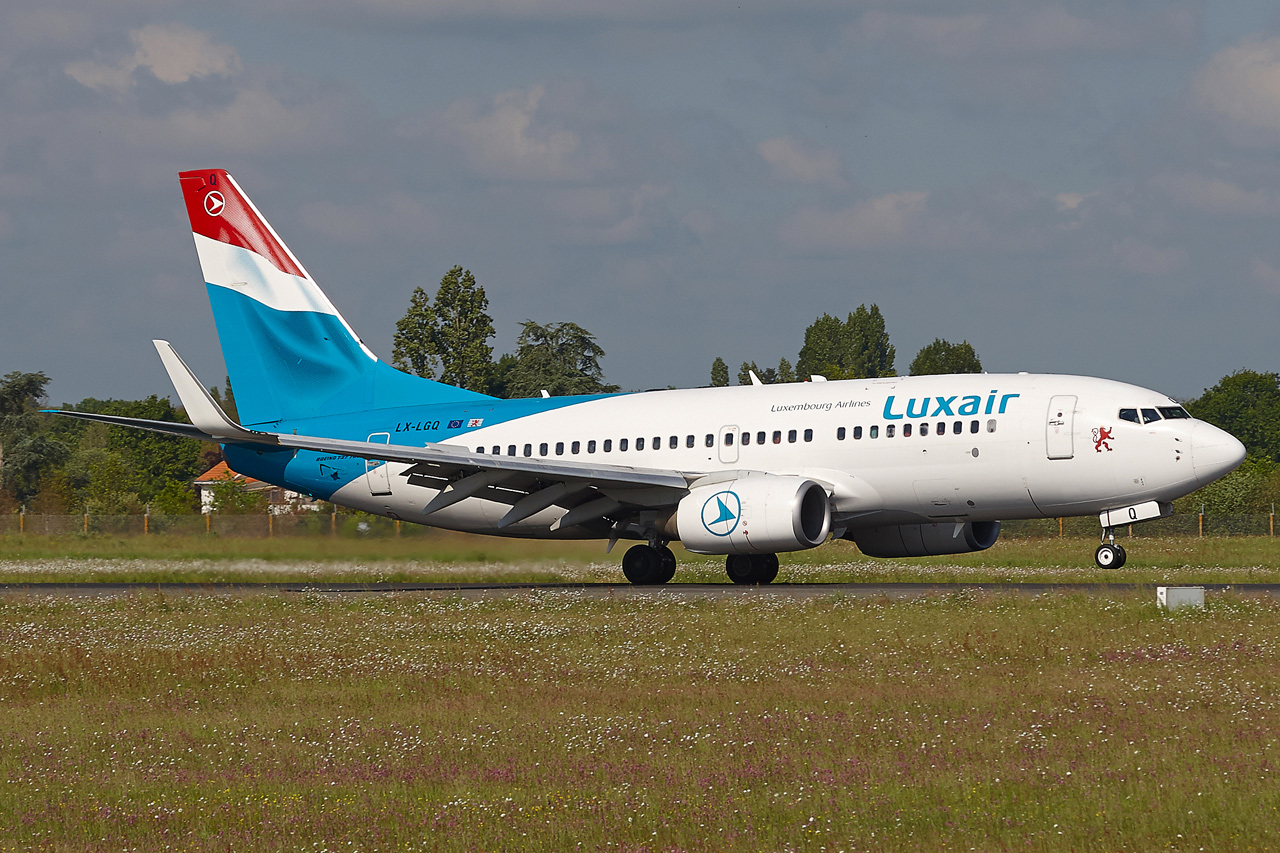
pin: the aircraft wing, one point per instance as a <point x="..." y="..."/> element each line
<point x="589" y="491"/>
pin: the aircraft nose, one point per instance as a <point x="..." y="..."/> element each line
<point x="1214" y="452"/>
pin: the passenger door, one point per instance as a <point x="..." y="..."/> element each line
<point x="376" y="473"/>
<point x="1059" y="427"/>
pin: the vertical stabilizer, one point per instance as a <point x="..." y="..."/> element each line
<point x="289" y="353"/>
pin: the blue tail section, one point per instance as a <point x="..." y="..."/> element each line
<point x="290" y="355"/>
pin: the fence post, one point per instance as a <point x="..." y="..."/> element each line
<point x="397" y="528"/>
<point x="333" y="521"/>
<point x="1273" y="520"/>
<point x="1202" y="519"/>
<point x="86" y="522"/>
<point x="22" y="520"/>
<point x="208" y="517"/>
<point x="146" y="521"/>
<point x="271" y="524"/>
<point x="1059" y="527"/>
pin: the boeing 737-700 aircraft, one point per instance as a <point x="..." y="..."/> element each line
<point x="902" y="466"/>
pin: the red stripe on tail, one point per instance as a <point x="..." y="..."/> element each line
<point x="218" y="211"/>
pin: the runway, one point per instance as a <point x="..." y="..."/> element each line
<point x="616" y="591"/>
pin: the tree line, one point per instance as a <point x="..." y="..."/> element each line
<point x="61" y="465"/>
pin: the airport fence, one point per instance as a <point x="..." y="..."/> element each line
<point x="359" y="525"/>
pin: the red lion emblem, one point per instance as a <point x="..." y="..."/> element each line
<point x="1101" y="436"/>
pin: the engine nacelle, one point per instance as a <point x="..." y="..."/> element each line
<point x="754" y="515"/>
<point x="925" y="540"/>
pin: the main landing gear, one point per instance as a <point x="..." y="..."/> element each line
<point x="648" y="565"/>
<point x="1109" y="555"/>
<point x="751" y="568"/>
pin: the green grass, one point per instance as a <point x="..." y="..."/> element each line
<point x="550" y="721"/>
<point x="440" y="556"/>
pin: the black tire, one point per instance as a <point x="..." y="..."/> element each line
<point x="766" y="567"/>
<point x="740" y="569"/>
<point x="1123" y="557"/>
<point x="642" y="565"/>
<point x="1108" y="557"/>
<point x="668" y="564"/>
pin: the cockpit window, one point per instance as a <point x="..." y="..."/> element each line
<point x="1130" y="415"/>
<point x="1173" y="413"/>
<point x="1150" y="415"/>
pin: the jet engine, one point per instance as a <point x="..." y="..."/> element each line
<point x="925" y="540"/>
<point x="753" y="515"/>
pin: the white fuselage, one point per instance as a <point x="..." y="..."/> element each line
<point x="891" y="451"/>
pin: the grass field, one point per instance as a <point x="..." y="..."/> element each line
<point x="442" y="556"/>
<point x="550" y="721"/>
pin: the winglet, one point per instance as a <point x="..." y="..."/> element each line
<point x="202" y="409"/>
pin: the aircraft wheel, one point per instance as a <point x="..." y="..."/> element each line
<point x="642" y="565"/>
<point x="766" y="567"/>
<point x="740" y="569"/>
<point x="668" y="564"/>
<point x="1109" y="556"/>
<point x="1123" y="556"/>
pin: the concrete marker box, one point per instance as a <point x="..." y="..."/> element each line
<point x="1173" y="597"/>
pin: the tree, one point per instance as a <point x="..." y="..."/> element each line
<point x="27" y="448"/>
<point x="858" y="348"/>
<point x="413" y="349"/>
<point x="561" y="358"/>
<point x="942" y="356"/>
<point x="451" y="336"/>
<point x="463" y="330"/>
<point x="785" y="372"/>
<point x="719" y="373"/>
<point x="1247" y="405"/>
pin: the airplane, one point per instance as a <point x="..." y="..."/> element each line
<point x="903" y="466"/>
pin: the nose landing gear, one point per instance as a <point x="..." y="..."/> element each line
<point x="1109" y="555"/>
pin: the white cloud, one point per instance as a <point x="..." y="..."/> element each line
<point x="801" y="161"/>
<point x="1026" y="29"/>
<point x="1242" y="84"/>
<point x="174" y="53"/>
<point x="1071" y="200"/>
<point x="604" y="216"/>
<point x="1145" y="259"/>
<point x="511" y="140"/>
<point x="1215" y="196"/>
<point x="887" y="220"/>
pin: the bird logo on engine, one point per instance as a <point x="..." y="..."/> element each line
<point x="721" y="512"/>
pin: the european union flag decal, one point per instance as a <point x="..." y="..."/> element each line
<point x="455" y="424"/>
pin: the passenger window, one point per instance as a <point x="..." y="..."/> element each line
<point x="991" y="425"/>
<point x="622" y="445"/>
<point x="639" y="444"/>
<point x="808" y="435"/>
<point x="777" y="436"/>
<point x="889" y="430"/>
<point x="591" y="446"/>
<point x="1150" y="415"/>
<point x="559" y="448"/>
<point x="942" y="428"/>
<point x="528" y="450"/>
<point x="497" y="451"/>
<point x="479" y="450"/>
<point x="728" y="439"/>
<point x="957" y="427"/>
<point x="874" y="432"/>
<point x="688" y="441"/>
<point x="973" y="426"/>
<point x="608" y="445"/>
<point x="840" y="434"/>
<point x="657" y="442"/>
<point x="906" y="430"/>
<point x="760" y="438"/>
<point x="673" y="442"/>
<point x="791" y="436"/>
<point x="711" y="440"/>
<point x="746" y="438"/>
<point x="575" y="448"/>
<point x="857" y="433"/>
<point x="924" y="429"/>
<point x="1130" y="415"/>
<point x="1173" y="413"/>
<point x="542" y="449"/>
<point x="511" y="450"/>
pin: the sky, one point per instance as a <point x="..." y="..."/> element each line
<point x="1072" y="187"/>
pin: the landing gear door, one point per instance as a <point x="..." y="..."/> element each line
<point x="727" y="441"/>
<point x="376" y="472"/>
<point x="1060" y="427"/>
